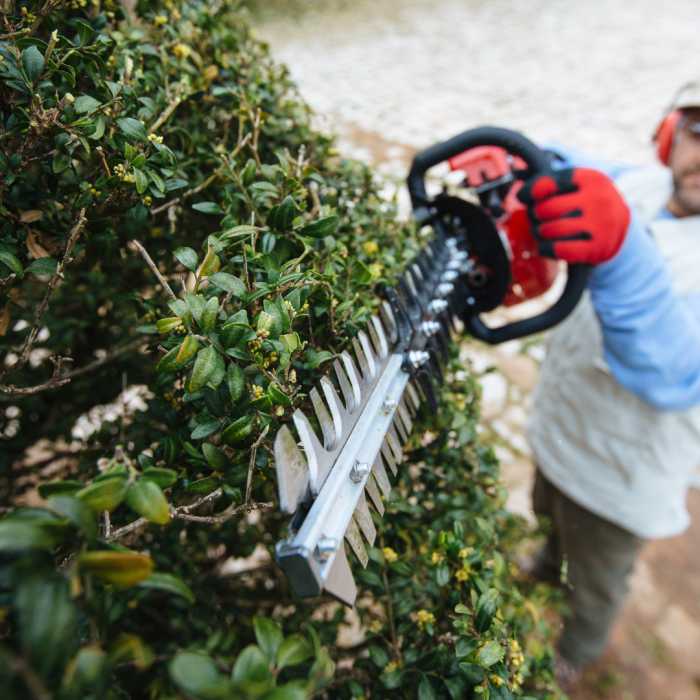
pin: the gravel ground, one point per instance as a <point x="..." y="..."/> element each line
<point x="394" y="77"/>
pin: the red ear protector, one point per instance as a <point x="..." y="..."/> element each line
<point x="663" y="138"/>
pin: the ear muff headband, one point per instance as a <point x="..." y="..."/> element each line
<point x="663" y="138"/>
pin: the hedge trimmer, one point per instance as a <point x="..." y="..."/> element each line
<point x="479" y="257"/>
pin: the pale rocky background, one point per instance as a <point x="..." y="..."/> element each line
<point x="394" y="77"/>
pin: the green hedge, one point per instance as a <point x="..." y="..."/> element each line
<point x="170" y="220"/>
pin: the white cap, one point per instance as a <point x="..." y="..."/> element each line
<point x="688" y="96"/>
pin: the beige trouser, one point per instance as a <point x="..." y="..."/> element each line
<point x="600" y="555"/>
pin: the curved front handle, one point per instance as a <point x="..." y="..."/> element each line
<point x="512" y="141"/>
<point x="537" y="164"/>
<point x="575" y="286"/>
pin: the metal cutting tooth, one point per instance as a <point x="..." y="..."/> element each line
<point x="340" y="583"/>
<point x="380" y="475"/>
<point x="313" y="451"/>
<point x="389" y="457"/>
<point x="393" y="440"/>
<point x="362" y="361"/>
<point x="354" y="378"/>
<point x="338" y="411"/>
<point x="387" y="316"/>
<point x="413" y="394"/>
<point x="354" y="538"/>
<point x="374" y="494"/>
<point x="364" y="520"/>
<point x="376" y="333"/>
<point x="328" y="428"/>
<point x="345" y="387"/>
<point x="411" y="397"/>
<point x="400" y="429"/>
<point x="369" y="354"/>
<point x="402" y="410"/>
<point x="292" y="472"/>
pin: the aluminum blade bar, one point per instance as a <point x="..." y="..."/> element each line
<point x="328" y="519"/>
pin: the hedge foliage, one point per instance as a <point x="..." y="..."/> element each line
<point x="172" y="225"/>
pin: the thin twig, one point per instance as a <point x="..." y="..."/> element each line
<point x="7" y="282"/>
<point x="72" y="238"/>
<point x="113" y="355"/>
<point x="253" y="453"/>
<point x="169" y="109"/>
<point x="152" y="265"/>
<point x="107" y="525"/>
<point x="183" y="513"/>
<point x="206" y="183"/>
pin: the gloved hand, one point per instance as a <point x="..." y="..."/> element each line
<point x="578" y="215"/>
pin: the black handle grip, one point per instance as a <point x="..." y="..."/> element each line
<point x="512" y="141"/>
<point x="538" y="164"/>
<point x="575" y="286"/>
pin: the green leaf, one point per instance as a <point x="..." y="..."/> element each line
<point x="187" y="257"/>
<point x="208" y="208"/>
<point x="237" y="232"/>
<point x="132" y="128"/>
<point x="33" y="63"/>
<point x="291" y="341"/>
<point x="170" y="362"/>
<point x="140" y="212"/>
<point x="78" y="513"/>
<point x="442" y="574"/>
<point x="43" y="266"/>
<point x="269" y="637"/>
<point x="85" y="31"/>
<point x="207" y="319"/>
<point x="236" y="381"/>
<point x="170" y="583"/>
<point x="11" y="261"/>
<point x="146" y="498"/>
<point x="489" y="654"/>
<point x="237" y="476"/>
<point x="321" y="228"/>
<point x="141" y="181"/>
<point x="105" y="494"/>
<point x="189" y="347"/>
<point x="278" y="397"/>
<point x="251" y="667"/>
<point x="216" y="459"/>
<point x="203" y="487"/>
<point x="17" y="534"/>
<point x="319" y="358"/>
<point x="114" y="88"/>
<point x="473" y="673"/>
<point x="161" y="476"/>
<point x="380" y="656"/>
<point x="204" y="367"/>
<point x="59" y="488"/>
<point x="285" y="214"/>
<point x="484" y="616"/>
<point x="425" y="689"/>
<point x="466" y="646"/>
<point x="227" y="282"/>
<point x="206" y="428"/>
<point x="294" y="650"/>
<point x="165" y="325"/>
<point x="193" y="673"/>
<point x="238" y="430"/>
<point x="85" y="104"/>
<point x="123" y="569"/>
<point x="61" y="162"/>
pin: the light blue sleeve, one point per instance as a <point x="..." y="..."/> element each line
<point x="651" y="334"/>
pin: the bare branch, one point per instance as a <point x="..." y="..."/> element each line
<point x="72" y="238"/>
<point x="152" y="265"/>
<point x="183" y="513"/>
<point x="112" y="355"/>
<point x="7" y="282"/>
<point x="251" y="465"/>
<point x="170" y="108"/>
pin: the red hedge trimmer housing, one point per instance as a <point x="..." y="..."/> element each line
<point x="488" y="169"/>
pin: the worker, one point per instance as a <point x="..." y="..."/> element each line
<point x="615" y="426"/>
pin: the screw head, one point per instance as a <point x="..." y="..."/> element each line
<point x="444" y="289"/>
<point x="418" y="358"/>
<point x="430" y="328"/>
<point x="437" y="306"/>
<point x="388" y="405"/>
<point x="359" y="471"/>
<point x="325" y="547"/>
<point x="449" y="276"/>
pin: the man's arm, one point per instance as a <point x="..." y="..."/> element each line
<point x="651" y="334"/>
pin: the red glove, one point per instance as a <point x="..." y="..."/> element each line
<point x="577" y="215"/>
